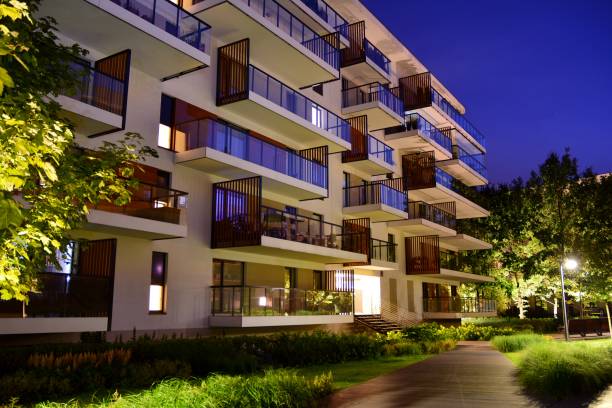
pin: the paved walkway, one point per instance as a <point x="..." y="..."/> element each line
<point x="473" y="375"/>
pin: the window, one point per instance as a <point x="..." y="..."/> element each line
<point x="157" y="289"/>
<point x="228" y="273"/>
<point x="410" y="292"/>
<point x="164" y="136"/>
<point x="290" y="278"/>
<point x="317" y="280"/>
<point x="318" y="89"/>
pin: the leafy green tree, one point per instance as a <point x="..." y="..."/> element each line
<point x="46" y="181"/>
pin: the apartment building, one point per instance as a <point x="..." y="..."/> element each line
<point x="306" y="177"/>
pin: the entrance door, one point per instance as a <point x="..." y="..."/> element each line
<point x="367" y="294"/>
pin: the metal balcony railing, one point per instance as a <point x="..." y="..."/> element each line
<point x="376" y="56"/>
<point x="238" y="143"/>
<point x="151" y="202"/>
<point x="327" y="13"/>
<point x="271" y="301"/>
<point x="280" y="94"/>
<point x="380" y="150"/>
<point x="443" y="178"/>
<point x="456" y="304"/>
<point x="414" y="121"/>
<point x="64" y="295"/>
<point x="441" y="214"/>
<point x="172" y="19"/>
<point x="474" y="161"/>
<point x="97" y="89"/>
<point x="372" y="92"/>
<point x="376" y="192"/>
<point x="454" y="114"/>
<point x="383" y="250"/>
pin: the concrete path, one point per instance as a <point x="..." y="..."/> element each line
<point x="473" y="375"/>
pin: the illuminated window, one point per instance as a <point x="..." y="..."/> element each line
<point x="157" y="289"/>
<point x="164" y="136"/>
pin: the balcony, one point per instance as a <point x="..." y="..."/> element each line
<point x="464" y="242"/>
<point x="467" y="163"/>
<point x="361" y="61"/>
<point x="246" y="91"/>
<point x="428" y="219"/>
<point x="221" y="149"/>
<point x="154" y="212"/>
<point x="418" y="134"/>
<point x="418" y="92"/>
<point x="319" y="15"/>
<point x="67" y="303"/>
<point x="382" y="200"/>
<point x="455" y="307"/>
<point x="260" y="306"/>
<point x="424" y="258"/>
<point x="368" y="154"/>
<point x="98" y="103"/>
<point x="433" y="185"/>
<point x="164" y="38"/>
<point x="280" y="41"/>
<point x="377" y="102"/>
<point x="383" y="256"/>
<point x="242" y="223"/>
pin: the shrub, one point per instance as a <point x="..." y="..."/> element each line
<point x="424" y="332"/>
<point x="436" y="332"/>
<point x="517" y="342"/>
<point x="557" y="369"/>
<point x="544" y="325"/>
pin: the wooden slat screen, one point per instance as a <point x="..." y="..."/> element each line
<point x="415" y="91"/>
<point x="447" y="131"/>
<point x="110" y="89"/>
<point x="342" y="280"/>
<point x="97" y="258"/>
<point x="356" y="236"/>
<point x="317" y="155"/>
<point x="422" y="255"/>
<point x="233" y="72"/>
<point x="236" y="213"/>
<point x="355" y="52"/>
<point x="419" y="170"/>
<point x="448" y="207"/>
<point x="359" y="140"/>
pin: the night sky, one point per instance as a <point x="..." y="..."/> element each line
<point x="535" y="76"/>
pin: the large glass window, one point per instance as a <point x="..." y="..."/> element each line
<point x="228" y="273"/>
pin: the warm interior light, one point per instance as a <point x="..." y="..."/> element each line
<point x="156" y="301"/>
<point x="263" y="301"/>
<point x="570" y="264"/>
<point x="164" y="136"/>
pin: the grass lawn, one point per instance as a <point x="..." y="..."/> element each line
<point x="355" y="372"/>
<point x="517" y="356"/>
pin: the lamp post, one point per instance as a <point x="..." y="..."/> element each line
<point x="570" y="264"/>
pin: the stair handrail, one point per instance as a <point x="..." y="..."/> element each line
<point x="398" y="314"/>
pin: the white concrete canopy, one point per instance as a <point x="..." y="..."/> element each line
<point x="420" y="227"/>
<point x="462" y="172"/>
<point x="116" y="223"/>
<point x="417" y="141"/>
<point x="440" y="194"/>
<point x="379" y="115"/>
<point x="463" y="242"/>
<point x="375" y="212"/>
<point x="265" y="321"/>
<point x="88" y="119"/>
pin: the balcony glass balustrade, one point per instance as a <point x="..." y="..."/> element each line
<point x="383" y="250"/>
<point x="271" y="301"/>
<point x="238" y="143"/>
<point x="431" y="212"/>
<point x="444" y="178"/>
<point x="456" y="304"/>
<point x="291" y="25"/>
<point x="172" y="19"/>
<point x="375" y="193"/>
<point x="97" y="89"/>
<point x="376" y="56"/>
<point x="455" y="115"/>
<point x="372" y="92"/>
<point x="414" y="121"/>
<point x="280" y="94"/>
<point x="474" y="161"/>
<point x="327" y="13"/>
<point x="380" y="150"/>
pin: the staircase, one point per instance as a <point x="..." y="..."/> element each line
<point x="376" y="323"/>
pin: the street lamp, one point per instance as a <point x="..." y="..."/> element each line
<point x="570" y="264"/>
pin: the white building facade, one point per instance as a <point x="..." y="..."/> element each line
<point x="307" y="174"/>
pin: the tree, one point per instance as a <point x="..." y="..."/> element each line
<point x="47" y="181"/>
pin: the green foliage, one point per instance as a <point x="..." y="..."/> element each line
<point x="431" y="332"/>
<point x="543" y="325"/>
<point x="276" y="388"/>
<point x="40" y="163"/>
<point x="559" y="369"/>
<point x="516" y="342"/>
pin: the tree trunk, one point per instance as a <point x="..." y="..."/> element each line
<point x="609" y="322"/>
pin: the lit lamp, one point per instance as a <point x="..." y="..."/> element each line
<point x="570" y="265"/>
<point x="263" y="301"/>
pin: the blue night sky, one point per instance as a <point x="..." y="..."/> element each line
<point x="535" y="76"/>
